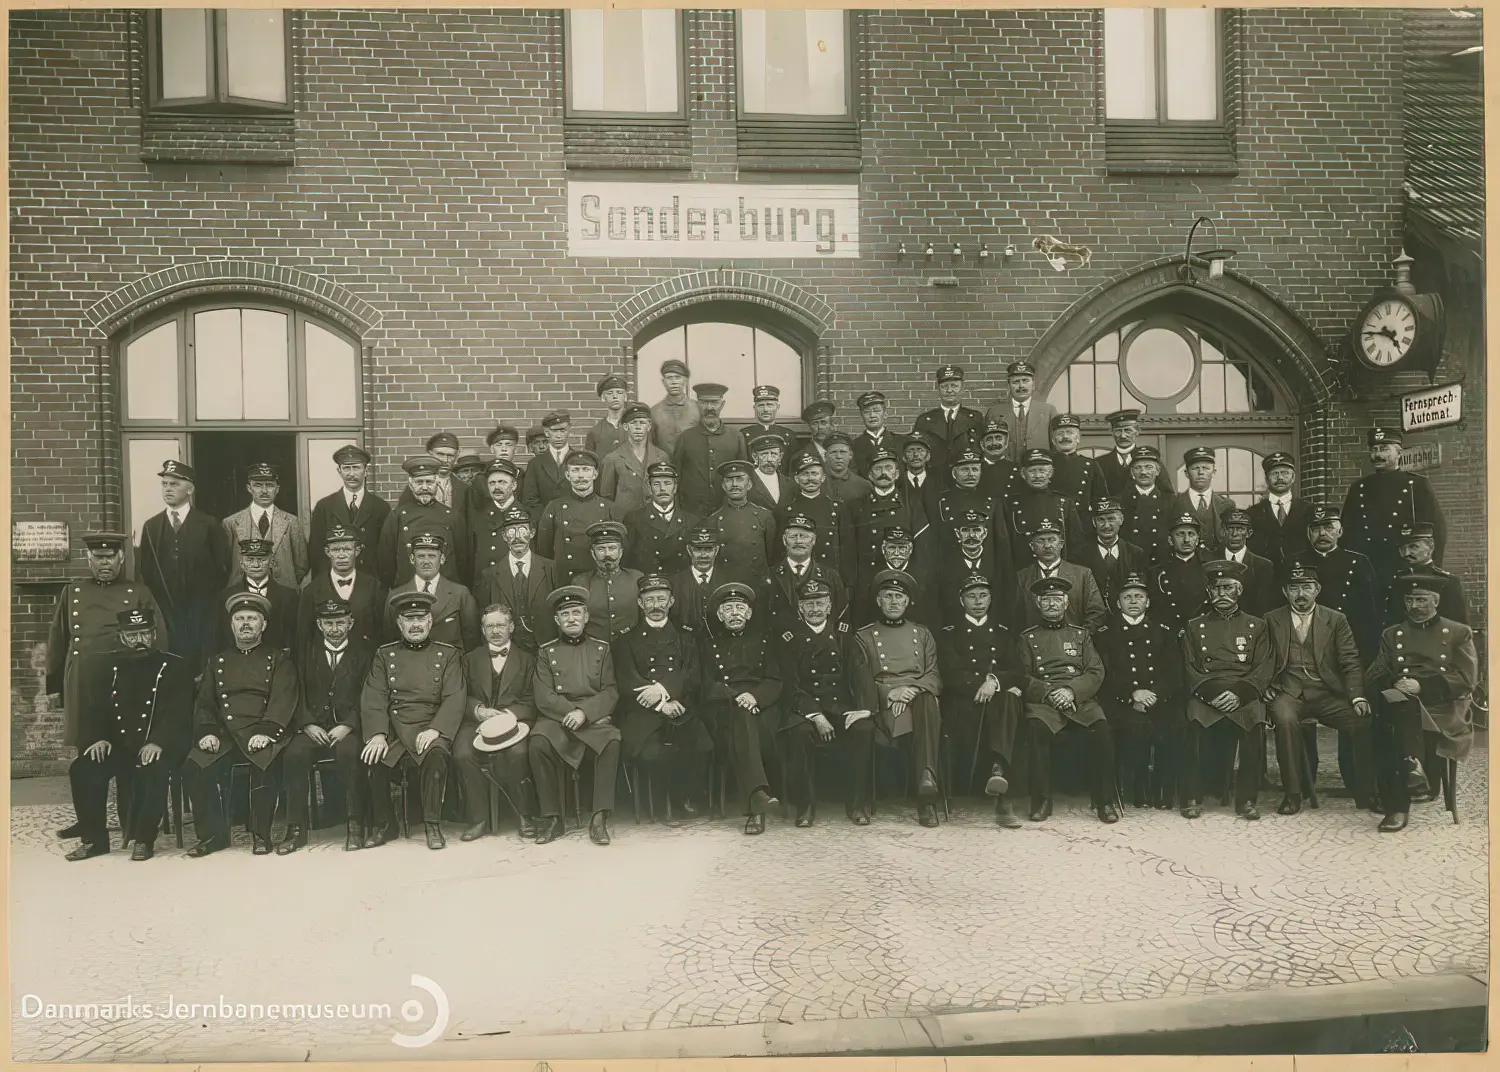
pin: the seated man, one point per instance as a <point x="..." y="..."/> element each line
<point x="656" y="667"/>
<point x="135" y="722"/>
<point x="820" y="664"/>
<point x="500" y="675"/>
<point x="1227" y="664"/>
<point x="901" y="684"/>
<point x="331" y="674"/>
<point x="246" y="702"/>
<point x="409" y="711"/>
<point x="575" y="696"/>
<point x="1316" y="674"/>
<point x="741" y="684"/>
<point x="1063" y="676"/>
<point x="1415" y="544"/>
<point x="1424" y="675"/>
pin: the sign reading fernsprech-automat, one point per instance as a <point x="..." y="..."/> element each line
<point x="1432" y="408"/>
<point x="720" y="221"/>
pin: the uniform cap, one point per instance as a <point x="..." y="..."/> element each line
<point x="1135" y="580"/>
<point x="332" y="608"/>
<point x="255" y="547"/>
<point x="569" y="595"/>
<point x="838" y="437"/>
<point x="411" y="603"/>
<point x="703" y="536"/>
<point x="809" y="459"/>
<point x="973" y="517"/>
<point x="813" y="588"/>
<point x="1275" y="458"/>
<point x="1055" y="583"/>
<point x="1020" y="368"/>
<point x="604" y="531"/>
<point x="1186" y="521"/>
<point x="442" y="439"/>
<point x="996" y="427"/>
<point x="1145" y="453"/>
<point x="180" y="470"/>
<point x="136" y="618"/>
<point x="1197" y="454"/>
<point x="1121" y="416"/>
<point x="262" y="471"/>
<point x="1408" y="583"/>
<point x="1045" y="527"/>
<point x="972" y="581"/>
<point x="1323" y="514"/>
<point x="1065" y="420"/>
<point x="1107" y="506"/>
<point x="104" y="541"/>
<point x="516" y="515"/>
<point x="800" y="521"/>
<point x="653" y="582"/>
<point x="1236" y="517"/>
<point x="349" y="454"/>
<point x="1378" y="436"/>
<point x="556" y="417"/>
<point x="767" y="441"/>
<point x="897" y="579"/>
<point x="1035" y="456"/>
<point x="338" y="533"/>
<point x="948" y="372"/>
<point x="661" y="471"/>
<point x="733" y="590"/>
<point x="895" y="534"/>
<point x="502" y="431"/>
<point x="534" y="433"/>
<point x="674" y="365"/>
<point x="614" y="381"/>
<point x="428" y="541"/>
<point x="765" y="392"/>
<point x="241" y="600"/>
<point x="636" y="411"/>
<point x="1420" y="531"/>
<point x="821" y="408"/>
<point x="420" y="466"/>
<point x="468" y="461"/>
<point x="1215" y="568"/>
<point x="882" y="455"/>
<point x="579" y="456"/>
<point x="734" y="465"/>
<point x="707" y="390"/>
<point x="967" y="456"/>
<point x="916" y="438"/>
<point x="1297" y="569"/>
<point x="868" y="399"/>
<point x="503" y="465"/>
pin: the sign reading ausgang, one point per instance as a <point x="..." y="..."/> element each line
<point x="712" y="220"/>
<point x="1432" y="408"/>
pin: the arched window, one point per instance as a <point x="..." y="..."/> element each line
<point x="223" y="385"/>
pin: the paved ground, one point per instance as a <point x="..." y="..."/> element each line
<point x="699" y="925"/>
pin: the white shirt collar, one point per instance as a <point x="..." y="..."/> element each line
<point x="656" y="625"/>
<point x="180" y="511"/>
<point x="525" y="560"/>
<point x="1113" y="551"/>
<point x="977" y="621"/>
<point x="949" y="412"/>
<point x="256" y="511"/>
<point x="1137" y="620"/>
<point x="1300" y="616"/>
<point x="350" y="496"/>
<point x="817" y="628"/>
<point x="1235" y="556"/>
<point x="1279" y="500"/>
<point x="336" y="650"/>
<point x="343" y="582"/>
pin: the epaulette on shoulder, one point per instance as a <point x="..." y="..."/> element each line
<point x="392" y="644"/>
<point x="549" y="644"/>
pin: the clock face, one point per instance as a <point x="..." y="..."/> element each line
<point x="1387" y="332"/>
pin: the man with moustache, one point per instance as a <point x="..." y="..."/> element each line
<point x="546" y="478"/>
<point x="1148" y="506"/>
<point x="1278" y="522"/>
<point x="1380" y="504"/>
<point x="353" y="507"/>
<point x="1074" y="475"/>
<point x="1261" y="591"/>
<point x="501" y="442"/>
<point x="694" y="586"/>
<point x="896" y="551"/>
<point x="487" y="521"/>
<point x="263" y="519"/>
<point x="800" y="536"/>
<point x="521" y="581"/>
<point x="1347" y="578"/>
<point x="609" y="433"/>
<point x="1109" y="558"/>
<point x="1085" y="606"/>
<point x="417" y="511"/>
<point x="746" y="531"/>
<point x="702" y="448"/>
<point x="562" y="530"/>
<point x="255" y="576"/>
<point x="818" y="416"/>
<point x="500" y="676"/>
<point x="443" y="448"/>
<point x="347" y="582"/>
<point x="1416" y="544"/>
<point x="885" y="505"/>
<point x="455" y="614"/>
<point x="835" y="546"/>
<point x="622" y="478"/>
<point x="675" y="413"/>
<point x="1125" y="429"/>
<point x="766" y="399"/>
<point x="997" y="471"/>
<point x="613" y="592"/>
<point x="1143" y="695"/>
<point x="657" y="532"/>
<point x="962" y="495"/>
<point x="1032" y="500"/>
<point x="1181" y="579"/>
<point x="875" y="435"/>
<point x="951" y="426"/>
<point x="1029" y="418"/>
<point x="770" y="488"/>
<point x="968" y="552"/>
<point x="918" y="480"/>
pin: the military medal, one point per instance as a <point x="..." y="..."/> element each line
<point x="1240" y="653"/>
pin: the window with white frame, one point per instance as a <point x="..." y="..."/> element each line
<point x="220" y="59"/>
<point x="624" y="62"/>
<point x="738" y="355"/>
<point x="794" y="62"/>
<point x="1163" y="65"/>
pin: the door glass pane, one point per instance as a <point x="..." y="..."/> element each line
<point x="257" y="55"/>
<point x="151" y="375"/>
<point x="265" y="356"/>
<point x="1129" y="63"/>
<point x="1106" y="388"/>
<point x="322" y="473"/>
<point x="649" y="356"/>
<point x="184" y="53"/>
<point x="1192" y="48"/>
<point x="778" y="363"/>
<point x="1107" y="347"/>
<point x="217" y="365"/>
<point x="1082" y="393"/>
<point x="725" y="353"/>
<point x="736" y="355"/>
<point x="143" y="460"/>
<point x="623" y="61"/>
<point x="332" y="373"/>
<point x="793" y="62"/>
<point x="1211" y="383"/>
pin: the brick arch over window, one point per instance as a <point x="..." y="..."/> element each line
<point x="199" y="279"/>
<point x="1289" y="352"/>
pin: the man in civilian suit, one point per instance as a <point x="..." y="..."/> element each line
<point x="455" y="616"/>
<point x="692" y="586"/>
<point x="347" y="581"/>
<point x="950" y="427"/>
<point x="184" y="560"/>
<point x="1029" y="418"/>
<point x="353" y="507"/>
<point x="1278" y="523"/>
<point x="500" y="676"/>
<point x="521" y="580"/>
<point x="1200" y="500"/>
<point x="544" y="480"/>
<point x="264" y="520"/>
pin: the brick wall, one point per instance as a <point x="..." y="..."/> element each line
<point x="429" y="183"/>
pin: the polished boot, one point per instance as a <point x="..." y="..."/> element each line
<point x="762" y="802"/>
<point x="143" y="850"/>
<point x="927" y="815"/>
<point x="296" y="838"/>
<point x="1290" y="804"/>
<point x="996" y="784"/>
<point x="435" y="836"/>
<point x="1392" y="823"/>
<point x="70" y="831"/>
<point x="527" y="828"/>
<point x="550" y="830"/>
<point x="756" y="824"/>
<point x="1107" y="813"/>
<point x="382" y="834"/>
<point x="927" y="785"/>
<point x="1193" y="810"/>
<point x="1248" y="810"/>
<point x="1005" y="815"/>
<point x="206" y="847"/>
<point x="1041" y="809"/>
<point x="475" y="831"/>
<point x="353" y="837"/>
<point x="260" y="846"/>
<point x="88" y="851"/>
<point x="599" y="828"/>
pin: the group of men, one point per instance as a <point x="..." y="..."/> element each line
<point x="696" y="601"/>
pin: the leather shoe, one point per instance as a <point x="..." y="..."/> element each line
<point x="550" y="830"/>
<point x="1194" y="810"/>
<point x="296" y="837"/>
<point x="927" y="785"/>
<point x="1249" y="811"/>
<point x="927" y="815"/>
<point x="382" y="834"/>
<point x="804" y="818"/>
<point x="435" y="836"/>
<point x="353" y="838"/>
<point x="756" y="824"/>
<point x="70" y="831"/>
<point x="260" y="846"/>
<point x="599" y="828"/>
<point x="1425" y="796"/>
<point x="1392" y="823"/>
<point x="857" y="815"/>
<point x="1041" y="811"/>
<point x="1290" y="804"/>
<point x="143" y="850"/>
<point x="475" y="831"/>
<point x="528" y="827"/>
<point x="1107" y="814"/>
<point x="207" y="847"/>
<point x="762" y="802"/>
<point x="688" y="809"/>
<point x="1416" y="777"/>
<point x="996" y="783"/>
<point x="87" y="851"/>
<point x="1005" y="815"/>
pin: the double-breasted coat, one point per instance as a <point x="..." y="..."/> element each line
<point x="455" y="615"/>
<point x="1140" y="655"/>
<point x="486" y="529"/>
<point x="747" y="534"/>
<point x="1078" y="477"/>
<point x="1025" y="510"/>
<point x="409" y="519"/>
<point x="1376" y="509"/>
<point x="1349" y="585"/>
<point x="135" y="700"/>
<point x="244" y="694"/>
<point x="1452" y="604"/>
<point x="1148" y="518"/>
<point x="1179" y="589"/>
<point x="779" y="597"/>
<point x="834" y="547"/>
<point x="1220" y="654"/>
<point x="1439" y="655"/>
<point x="186" y="570"/>
<point x="562" y="530"/>
<point x="697" y="456"/>
<point x="896" y="656"/>
<point x="968" y="653"/>
<point x="411" y="689"/>
<point x="819" y="671"/>
<point x="733" y="663"/>
<point x="576" y="674"/>
<point x="84" y="628"/>
<point x="613" y="602"/>
<point x="656" y="542"/>
<point x="365" y="596"/>
<point x="668" y="656"/>
<point x="871" y="515"/>
<point x="948" y="438"/>
<point x="1060" y="655"/>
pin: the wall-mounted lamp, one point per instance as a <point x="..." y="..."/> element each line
<point x="958" y="250"/>
<point x="1010" y="251"/>
<point x="901" y="250"/>
<point x="1216" y="258"/>
<point x="931" y="250"/>
<point x="984" y="252"/>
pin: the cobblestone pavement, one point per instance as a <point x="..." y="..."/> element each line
<point x="698" y="924"/>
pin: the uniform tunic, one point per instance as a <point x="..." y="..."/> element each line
<point x="1142" y="655"/>
<point x="1026" y="508"/>
<point x="847" y="488"/>
<point x="996" y="476"/>
<point x="1451" y="601"/>
<point x="897" y="656"/>
<point x="1349" y="586"/>
<point x="667" y="656"/>
<point x="1179" y="589"/>
<point x="1147" y="518"/>
<point x="819" y="670"/>
<point x="871" y="515"/>
<point x="604" y="437"/>
<point x="1439" y="654"/>
<point x="739" y="662"/>
<point x="748" y="535"/>
<point x="486" y="530"/>
<point x="949" y="438"/>
<point x="780" y="597"/>
<point x="1379" y="506"/>
<point x="576" y="674"/>
<point x="698" y="455"/>
<point x="84" y="626"/>
<point x="657" y="542"/>
<point x="834" y="547"/>
<point x="409" y="519"/>
<point x="969" y="652"/>
<point x="1078" y="477"/>
<point x="562" y="530"/>
<point x="613" y="606"/>
<point x="245" y="693"/>
<point x="1236" y="649"/>
<point x="137" y="700"/>
<point x="948" y="514"/>
<point x="411" y="689"/>
<point x="669" y="420"/>
<point x="1057" y="655"/>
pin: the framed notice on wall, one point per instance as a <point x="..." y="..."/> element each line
<point x="39" y="541"/>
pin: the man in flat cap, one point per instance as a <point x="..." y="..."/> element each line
<point x="1148" y="507"/>
<point x="353" y="507"/>
<point x="622" y="478"/>
<point x="1200" y="500"/>
<point x="801" y="537"/>
<point x="1085" y="605"/>
<point x="609" y="433"/>
<point x="1117" y="465"/>
<point x="613" y="590"/>
<point x="1180" y="581"/>
<point x="950" y="426"/>
<point x="875" y="435"/>
<point x="766" y="398"/>
<point x="522" y="581"/>
<point x="546" y="477"/>
<point x="694" y="585"/>
<point x="246" y="703"/>
<point x="747" y="532"/>
<point x="818" y="416"/>
<point x="658" y="530"/>
<point x="1278" y="522"/>
<point x="741" y="688"/>
<point x="576" y="697"/>
<point x="885" y="505"/>
<point x="1228" y="664"/>
<point x="702" y="448"/>
<point x="418" y="511"/>
<point x="1416" y="544"/>
<point x="255" y="576"/>
<point x="331" y="672"/>
<point x="1142" y="694"/>
<point x="1380" y="504"/>
<point x="820" y="664"/>
<point x="133" y="727"/>
<point x="1033" y="499"/>
<point x="184" y="560"/>
<point x="443" y="448"/>
<point x="1063" y="675"/>
<point x="340" y="577"/>
<point x="264" y="520"/>
<point x="562" y="528"/>
<point x="845" y="481"/>
<point x="676" y="412"/>
<point x="658" y="676"/>
<point x="1109" y="557"/>
<point x="902" y="684"/>
<point x="1074" y="474"/>
<point x="410" y="709"/>
<point x="1261" y="590"/>
<point x="835" y="532"/>
<point x="465" y="469"/>
<point x="770" y="487"/>
<point x="455" y="614"/>
<point x="1029" y="418"/>
<point x="997" y="469"/>
<point x="486" y="524"/>
<point x="501" y="676"/>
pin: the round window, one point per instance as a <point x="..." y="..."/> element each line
<point x="1159" y="363"/>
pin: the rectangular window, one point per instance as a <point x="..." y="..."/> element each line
<point x="797" y="90"/>
<point x="331" y="371"/>
<point x="241" y="365"/>
<point x="151" y="375"/>
<point x="144" y="456"/>
<point x="1162" y="65"/>
<point x="219" y="60"/>
<point x="624" y="62"/>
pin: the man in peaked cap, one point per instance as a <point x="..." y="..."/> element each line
<point x="968" y="549"/>
<point x="133" y="727"/>
<point x="966" y="494"/>
<point x="835" y="543"/>
<point x="1200" y="500"/>
<point x="341" y="577"/>
<point x="702" y="448"/>
<point x="563" y="525"/>
<point x="443" y="448"/>
<point x="769" y="486"/>
<point x="746" y="531"/>
<point x="353" y="507"/>
<point x="546" y="477"/>
<point x="658" y="530"/>
<point x="1033" y="499"/>
<point x="886" y="504"/>
<point x="766" y="398"/>
<point x="622" y="475"/>
<point x="418" y="511"/>
<point x="844" y="483"/>
<point x="1416" y="543"/>
<point x="801" y="536"/>
<point x="1348" y="579"/>
<point x="455" y="614"/>
<point x="918" y="480"/>
<point x="255" y="576"/>
<point x="522" y="581"/>
<point x="1107" y="556"/>
<point x="998" y="471"/>
<point x="486" y="522"/>
<point x="695" y="584"/>
<point x="1085" y="603"/>
<point x="818" y="416"/>
<point x="1380" y="504"/>
<point x="676" y="412"/>
<point x="1028" y="417"/>
<point x="1179" y="583"/>
<point x="609" y="433"/>
<point x="1125" y="430"/>
<point x="501" y="676"/>
<point x="1148" y="507"/>
<point x="613" y="590"/>
<point x="1278" y="522"/>
<point x="1261" y="590"/>
<point x="501" y="441"/>
<point x="264" y="520"/>
<point x="875" y="435"/>
<point x="950" y="426"/>
<point x="1074" y="474"/>
<point x="465" y="468"/>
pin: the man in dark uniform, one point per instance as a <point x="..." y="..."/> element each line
<point x="1108" y="557"/>
<point x="576" y="697"/>
<point x="741" y="687"/>
<point x="546" y="478"/>
<point x="443" y="448"/>
<point x="562" y="529"/>
<point x="1125" y="428"/>
<point x="502" y="443"/>
<point x="1148" y="507"/>
<point x="255" y="576"/>
<point x="455" y="614"/>
<point x="747" y="532"/>
<point x="660" y="717"/>
<point x="658" y="531"/>
<point x="967" y="551"/>
<point x="818" y="416"/>
<point x="1033" y="498"/>
<point x="874" y="436"/>
<point x="486" y="521"/>
<point x="902" y="684"/>
<point x="184" y="560"/>
<point x="1347" y="578"/>
<point x="1142" y="695"/>
<point x="770" y="487"/>
<point x="998" y="471"/>
<point x="1416" y="544"/>
<point x="982" y="685"/>
<point x="801" y="537"/>
<point x="1261" y="591"/>
<point x="604" y="437"/>
<point x="614" y="606"/>
<point x="500" y="676"/>
<point x="1200" y="500"/>
<point x="353" y="507"/>
<point x="331" y="673"/>
<point x="675" y="413"/>
<point x="418" y="510"/>
<point x="345" y="581"/>
<point x="820" y="662"/>
<point x="766" y="398"/>
<point x="703" y="448"/>
<point x="1063" y="674"/>
<point x="886" y="505"/>
<point x="951" y="426"/>
<point x="410" y="709"/>
<point x="835" y="546"/>
<point x="133" y="727"/>
<point x="465" y="469"/>
<point x="1227" y="665"/>
<point x="246" y="703"/>
<point x="1278" y="522"/>
<point x="965" y="493"/>
<point x="844" y="484"/>
<point x="1380" y="505"/>
<point x="522" y="581"/>
<point x="693" y="587"/>
<point x="1085" y="604"/>
<point x="1074" y="474"/>
<point x="896" y="550"/>
<point x="1181" y="579"/>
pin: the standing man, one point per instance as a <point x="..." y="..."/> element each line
<point x="149" y="693"/>
<point x="614" y="606"/>
<point x="1085" y="606"/>
<point x="818" y="417"/>
<point x="1074" y="474"/>
<point x="563" y="527"/>
<point x="1148" y="507"/>
<point x="1125" y="429"/>
<point x="255" y="576"/>
<point x="263" y="520"/>
<point x="885" y="505"/>
<point x="465" y="469"/>
<point x="443" y="449"/>
<point x="835" y="548"/>
<point x="1029" y="418"/>
<point x="184" y="558"/>
<point x="410" y="709"/>
<point x="500" y="676"/>
<point x="502" y="443"/>
<point x="1261" y="590"/>
<point x="246" y="703"/>
<point x="1278" y="522"/>
<point x="622" y="478"/>
<point x="895" y="550"/>
<point x="1181" y="579"/>
<point x="521" y="581"/>
<point x="1380" y="505"/>
<point x="545" y="479"/>
<point x="675" y="413"/>
<point x="1143" y="695"/>
<point x="770" y="488"/>
<point x="353" y="507"/>
<point x="1109" y="558"/>
<point x="486" y="522"/>
<point x="1416" y="544"/>
<point x="766" y="398"/>
<point x="800" y="536"/>
<point x="702" y="448"/>
<point x="608" y="434"/>
<point x="746" y="532"/>
<point x="965" y="494"/>
<point x="1200" y="500"/>
<point x="997" y="472"/>
<point x="874" y="436"/>
<point x="1347" y="578"/>
<point x="918" y="481"/>
<point x="951" y="426"/>
<point x="1032" y="500"/>
<point x="844" y="485"/>
<point x="657" y="533"/>
<point x="693" y="586"/>
<point x="455" y="615"/>
<point x="418" y="511"/>
<point x="968" y="551"/>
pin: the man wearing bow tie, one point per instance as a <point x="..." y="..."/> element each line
<point x="354" y="507"/>
<point x="255" y="576"/>
<point x="264" y="520"/>
<point x="184" y="560"/>
<point x="348" y="582"/>
<point x="500" y="677"/>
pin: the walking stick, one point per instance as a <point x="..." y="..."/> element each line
<point x="984" y="710"/>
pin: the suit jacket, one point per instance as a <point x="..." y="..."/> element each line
<point x="1261" y="590"/>
<point x="1110" y="573"/>
<point x="366" y="602"/>
<point x="334" y="510"/>
<point x="281" y="625"/>
<point x="929" y="494"/>
<point x="1334" y="653"/>
<point x="544" y="481"/>
<point x="1037" y="430"/>
<point x="410" y="518"/>
<point x="485" y="528"/>
<point x="455" y="615"/>
<point x="622" y="477"/>
<point x="288" y="545"/>
<point x="865" y="445"/>
<point x="511" y="688"/>
<point x="331" y="697"/>
<point x="1349" y="586"/>
<point x="1211" y="519"/>
<point x="527" y="602"/>
<point x="1279" y="540"/>
<point x="186" y="586"/>
<point x="604" y="437"/>
<point x="968" y="429"/>
<point x="760" y="493"/>
<point x="1117" y="476"/>
<point x="1085" y="604"/>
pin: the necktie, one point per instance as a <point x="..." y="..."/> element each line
<point x="1302" y="624"/>
<point x="427" y="587"/>
<point x="1280" y="513"/>
<point x="1202" y="502"/>
<point x="702" y="579"/>
<point x="354" y="504"/>
<point x="521" y="571"/>
<point x="265" y="523"/>
<point x="176" y="520"/>
<point x="333" y="659"/>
